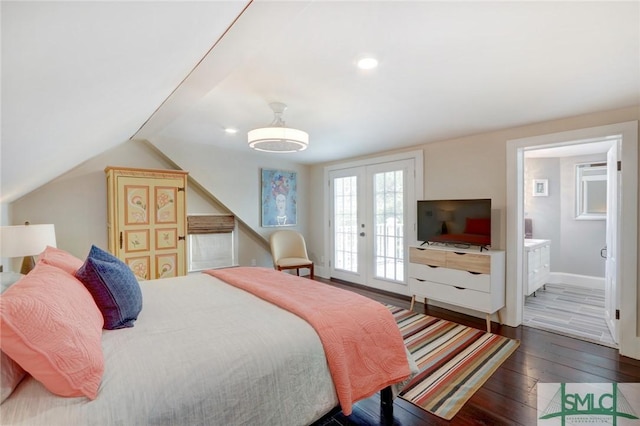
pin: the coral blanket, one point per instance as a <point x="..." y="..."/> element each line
<point x="362" y="343"/>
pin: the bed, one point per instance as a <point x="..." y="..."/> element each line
<point x="201" y="351"/>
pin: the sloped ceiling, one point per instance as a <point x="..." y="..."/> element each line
<point x="81" y="77"/>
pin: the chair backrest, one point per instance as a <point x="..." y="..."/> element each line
<point x="287" y="243"/>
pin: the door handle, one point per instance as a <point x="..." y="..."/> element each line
<point x="362" y="234"/>
<point x="603" y="252"/>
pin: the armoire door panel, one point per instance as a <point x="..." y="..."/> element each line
<point x="147" y="218"/>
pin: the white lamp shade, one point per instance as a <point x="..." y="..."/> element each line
<point x="278" y="139"/>
<point x="26" y="240"/>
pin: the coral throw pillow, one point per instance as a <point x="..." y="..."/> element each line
<point x="60" y="259"/>
<point x="50" y="325"/>
<point x="113" y="286"/>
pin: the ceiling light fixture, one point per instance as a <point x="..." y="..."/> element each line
<point x="278" y="138"/>
<point x="367" y="63"/>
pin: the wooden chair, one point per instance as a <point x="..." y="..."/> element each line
<point x="289" y="251"/>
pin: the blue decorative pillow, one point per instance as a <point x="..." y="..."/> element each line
<point x="113" y="286"/>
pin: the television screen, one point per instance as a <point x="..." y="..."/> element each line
<point x="456" y="222"/>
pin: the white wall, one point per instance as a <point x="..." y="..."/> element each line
<point x="76" y="203"/>
<point x="235" y="181"/>
<point x="575" y="244"/>
<point x="581" y="239"/>
<point x="544" y="212"/>
<point x="5" y="219"/>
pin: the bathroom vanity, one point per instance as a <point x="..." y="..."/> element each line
<point x="537" y="264"/>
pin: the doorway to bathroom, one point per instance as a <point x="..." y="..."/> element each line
<point x="623" y="251"/>
<point x="570" y="226"/>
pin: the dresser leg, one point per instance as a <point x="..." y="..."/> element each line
<point x="413" y="302"/>
<point x="499" y="318"/>
<point x="488" y="323"/>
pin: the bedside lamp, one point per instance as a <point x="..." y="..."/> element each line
<point x="26" y="241"/>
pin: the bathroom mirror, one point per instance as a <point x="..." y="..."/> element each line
<point x="591" y="191"/>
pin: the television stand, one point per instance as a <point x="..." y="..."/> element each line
<point x="459" y="277"/>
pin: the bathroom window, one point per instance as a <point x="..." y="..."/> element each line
<point x="591" y="191"/>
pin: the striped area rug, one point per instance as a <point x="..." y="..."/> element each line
<point x="454" y="360"/>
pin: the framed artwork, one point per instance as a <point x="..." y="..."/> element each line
<point x="279" y="198"/>
<point x="540" y="187"/>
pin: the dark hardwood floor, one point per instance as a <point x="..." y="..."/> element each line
<point x="509" y="396"/>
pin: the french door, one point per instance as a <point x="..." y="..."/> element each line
<point x="371" y="219"/>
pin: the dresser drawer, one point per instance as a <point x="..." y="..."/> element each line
<point x="454" y="277"/>
<point x="427" y="256"/>
<point x="468" y="262"/>
<point x="466" y="297"/>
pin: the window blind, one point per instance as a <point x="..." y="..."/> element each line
<point x="210" y="224"/>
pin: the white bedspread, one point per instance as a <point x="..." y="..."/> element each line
<point x="201" y="353"/>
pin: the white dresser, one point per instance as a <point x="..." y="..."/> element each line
<point x="461" y="277"/>
<point x="537" y="264"/>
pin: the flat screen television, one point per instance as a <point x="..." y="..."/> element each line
<point x="455" y="222"/>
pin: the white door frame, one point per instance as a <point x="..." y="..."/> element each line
<point x="611" y="292"/>
<point x="628" y="238"/>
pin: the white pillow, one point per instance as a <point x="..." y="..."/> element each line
<point x="11" y="374"/>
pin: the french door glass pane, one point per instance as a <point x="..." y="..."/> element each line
<point x="346" y="223"/>
<point x="389" y="225"/>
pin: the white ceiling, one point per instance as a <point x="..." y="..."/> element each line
<point x="81" y="77"/>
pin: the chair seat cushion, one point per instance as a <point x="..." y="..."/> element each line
<point x="293" y="261"/>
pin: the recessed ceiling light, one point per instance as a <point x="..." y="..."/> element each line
<point x="231" y="131"/>
<point x="367" y="63"/>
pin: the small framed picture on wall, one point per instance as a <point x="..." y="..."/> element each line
<point x="279" y="198"/>
<point x="540" y="187"/>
